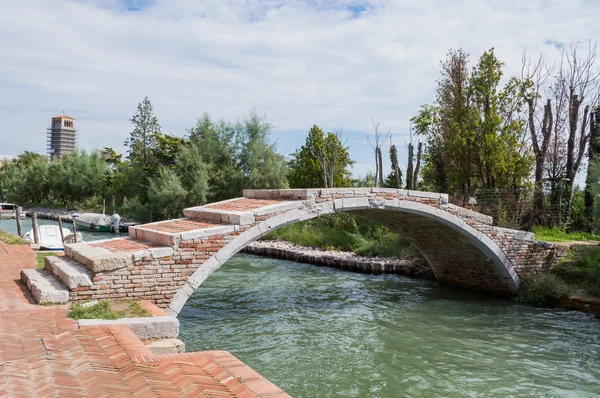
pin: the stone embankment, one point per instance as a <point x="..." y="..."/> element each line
<point x="413" y="266"/>
<point x="51" y="214"/>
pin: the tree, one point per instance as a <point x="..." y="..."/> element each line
<point x="396" y="173"/>
<point x="322" y="162"/>
<point x="593" y="152"/>
<point x="142" y="141"/>
<point x="78" y="176"/>
<point x="193" y="174"/>
<point x="475" y="131"/>
<point x="216" y="143"/>
<point x="262" y="167"/>
<point x="167" y="195"/>
<point x="376" y="143"/>
<point x="167" y="148"/>
<point x="577" y="77"/>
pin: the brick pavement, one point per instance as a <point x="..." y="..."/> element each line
<point x="45" y="354"/>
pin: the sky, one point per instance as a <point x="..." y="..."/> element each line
<point x="334" y="63"/>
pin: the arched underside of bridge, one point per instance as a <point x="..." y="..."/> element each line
<point x="457" y="253"/>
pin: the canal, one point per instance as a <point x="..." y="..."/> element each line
<point x="323" y="332"/>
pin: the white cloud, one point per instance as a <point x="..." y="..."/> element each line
<point x="299" y="62"/>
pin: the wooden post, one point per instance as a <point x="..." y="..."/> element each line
<point x="74" y="232"/>
<point x="103" y="206"/>
<point x="62" y="235"/>
<point x="124" y="199"/>
<point x="19" y="221"/>
<point x="34" y="225"/>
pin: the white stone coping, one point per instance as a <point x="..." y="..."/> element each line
<point x="158" y="327"/>
<point x="305" y="194"/>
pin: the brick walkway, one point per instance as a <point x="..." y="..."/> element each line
<point x="242" y="204"/>
<point x="45" y="354"/>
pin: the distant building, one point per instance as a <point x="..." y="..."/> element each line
<point x="62" y="136"/>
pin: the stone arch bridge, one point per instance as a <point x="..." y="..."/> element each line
<point x="167" y="261"/>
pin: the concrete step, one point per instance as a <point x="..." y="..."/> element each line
<point x="70" y="272"/>
<point x="44" y="286"/>
<point x="112" y="254"/>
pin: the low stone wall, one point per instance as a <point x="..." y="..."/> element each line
<point x="415" y="267"/>
<point x="51" y="214"/>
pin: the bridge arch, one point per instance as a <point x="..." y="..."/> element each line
<point x="457" y="251"/>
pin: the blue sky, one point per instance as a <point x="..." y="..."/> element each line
<point x="334" y="63"/>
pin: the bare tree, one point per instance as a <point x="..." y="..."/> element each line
<point x="578" y="77"/>
<point x="376" y="144"/>
<point x="534" y="77"/>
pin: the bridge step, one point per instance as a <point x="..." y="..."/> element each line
<point x="112" y="254"/>
<point x="240" y="211"/>
<point x="170" y="232"/>
<point x="44" y="287"/>
<point x="70" y="272"/>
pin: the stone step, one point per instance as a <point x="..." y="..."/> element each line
<point x="112" y="254"/>
<point x="70" y="272"/>
<point x="171" y="232"/>
<point x="44" y="286"/>
<point x="240" y="211"/>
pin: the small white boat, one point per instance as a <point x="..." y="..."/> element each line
<point x="8" y="211"/>
<point x="49" y="237"/>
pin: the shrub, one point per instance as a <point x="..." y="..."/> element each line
<point x="542" y="289"/>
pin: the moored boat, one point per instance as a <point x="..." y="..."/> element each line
<point x="49" y="237"/>
<point x="100" y="222"/>
<point x="8" y="211"/>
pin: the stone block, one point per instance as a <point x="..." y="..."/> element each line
<point x="165" y="346"/>
<point x="158" y="327"/>
<point x="44" y="287"/>
<point x="70" y="272"/>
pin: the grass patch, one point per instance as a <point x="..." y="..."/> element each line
<point x="557" y="234"/>
<point x="11" y="239"/>
<point x="108" y="310"/>
<point x="344" y="232"/>
<point x="581" y="270"/>
<point x="41" y="256"/>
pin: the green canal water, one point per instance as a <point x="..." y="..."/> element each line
<point x="322" y="332"/>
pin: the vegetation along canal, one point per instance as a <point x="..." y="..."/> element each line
<point x="322" y="332"/>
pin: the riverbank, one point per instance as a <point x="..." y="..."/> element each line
<point x="412" y="266"/>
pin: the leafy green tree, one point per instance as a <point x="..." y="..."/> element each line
<point x="475" y="131"/>
<point x="167" y="148"/>
<point x="217" y="145"/>
<point x="28" y="158"/>
<point x="262" y="167"/>
<point x="10" y="177"/>
<point x="167" y="197"/>
<point x="322" y="162"/>
<point x="193" y="174"/>
<point x="142" y="141"/>
<point x="78" y="176"/>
